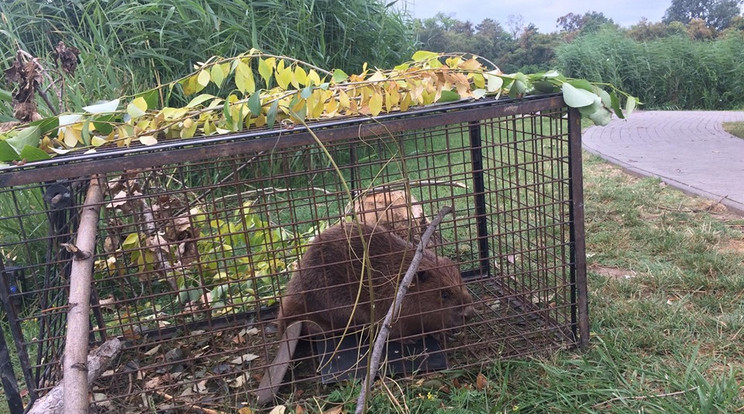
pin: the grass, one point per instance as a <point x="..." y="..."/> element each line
<point x="734" y="128"/>
<point x="672" y="72"/>
<point x="667" y="312"/>
<point x="128" y="47"/>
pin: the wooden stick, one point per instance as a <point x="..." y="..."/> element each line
<point x="78" y="317"/>
<point x="98" y="362"/>
<point x="382" y="336"/>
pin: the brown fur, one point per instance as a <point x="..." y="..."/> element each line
<point x="397" y="211"/>
<point x="324" y="288"/>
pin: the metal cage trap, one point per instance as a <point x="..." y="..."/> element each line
<point x="198" y="238"/>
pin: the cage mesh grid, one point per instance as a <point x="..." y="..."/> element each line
<point x="192" y="256"/>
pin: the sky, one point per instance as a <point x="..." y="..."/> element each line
<point x="543" y="13"/>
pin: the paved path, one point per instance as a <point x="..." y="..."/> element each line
<point x="686" y="149"/>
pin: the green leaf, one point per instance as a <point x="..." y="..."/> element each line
<point x="544" y="86"/>
<point x="47" y="126"/>
<point x="102" y="108"/>
<point x="604" y="96"/>
<point x="7" y="153"/>
<point x="254" y="103"/>
<point x="582" y="84"/>
<point x="199" y="100"/>
<point x="218" y="74"/>
<point x="5" y="95"/>
<point x="306" y="92"/>
<point x="615" y="104"/>
<point x="28" y="136"/>
<point x="590" y="109"/>
<point x="137" y="107"/>
<point x="152" y="97"/>
<point x="30" y="154"/>
<point x="601" y="117"/>
<point x="423" y="55"/>
<point x="226" y="113"/>
<point x="449" y="96"/>
<point x="517" y="89"/>
<point x="577" y="98"/>
<point x="339" y="76"/>
<point x="630" y="105"/>
<point x="86" y="133"/>
<point x="271" y="115"/>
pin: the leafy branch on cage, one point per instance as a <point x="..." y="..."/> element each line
<point x="294" y="92"/>
<point x="394" y="310"/>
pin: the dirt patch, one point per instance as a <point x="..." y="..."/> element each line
<point x="613" y="272"/>
<point x="733" y="246"/>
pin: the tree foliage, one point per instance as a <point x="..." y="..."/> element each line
<point x="717" y="14"/>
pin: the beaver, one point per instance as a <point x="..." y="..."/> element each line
<point x="398" y="211"/>
<point x="325" y="287"/>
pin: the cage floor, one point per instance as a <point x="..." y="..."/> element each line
<point x="218" y="369"/>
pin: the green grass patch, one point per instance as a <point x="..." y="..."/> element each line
<point x="734" y="128"/>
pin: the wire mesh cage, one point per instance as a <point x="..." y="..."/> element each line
<point x="198" y="240"/>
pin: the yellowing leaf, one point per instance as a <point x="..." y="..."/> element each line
<point x="189" y="128"/>
<point x="72" y="136"/>
<point x="265" y="69"/>
<point x="244" y="78"/>
<point x="313" y="77"/>
<point x="203" y="78"/>
<point x="331" y="107"/>
<point x="137" y="107"/>
<point x="479" y="81"/>
<point x="97" y="141"/>
<point x="378" y="76"/>
<point x="219" y="72"/>
<point x="470" y="64"/>
<point x="405" y="101"/>
<point x="300" y="75"/>
<point x="343" y="99"/>
<point x="279" y="409"/>
<point x="375" y="104"/>
<point x="494" y="82"/>
<point x="423" y="55"/>
<point x="148" y="140"/>
<point x="283" y="75"/>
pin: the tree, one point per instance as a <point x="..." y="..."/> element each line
<point x="717" y="14"/>
<point x="590" y="22"/>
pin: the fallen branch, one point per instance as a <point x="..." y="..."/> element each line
<point x="382" y="336"/>
<point x="78" y="316"/>
<point x="98" y="362"/>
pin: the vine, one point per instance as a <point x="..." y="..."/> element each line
<point x="265" y="90"/>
